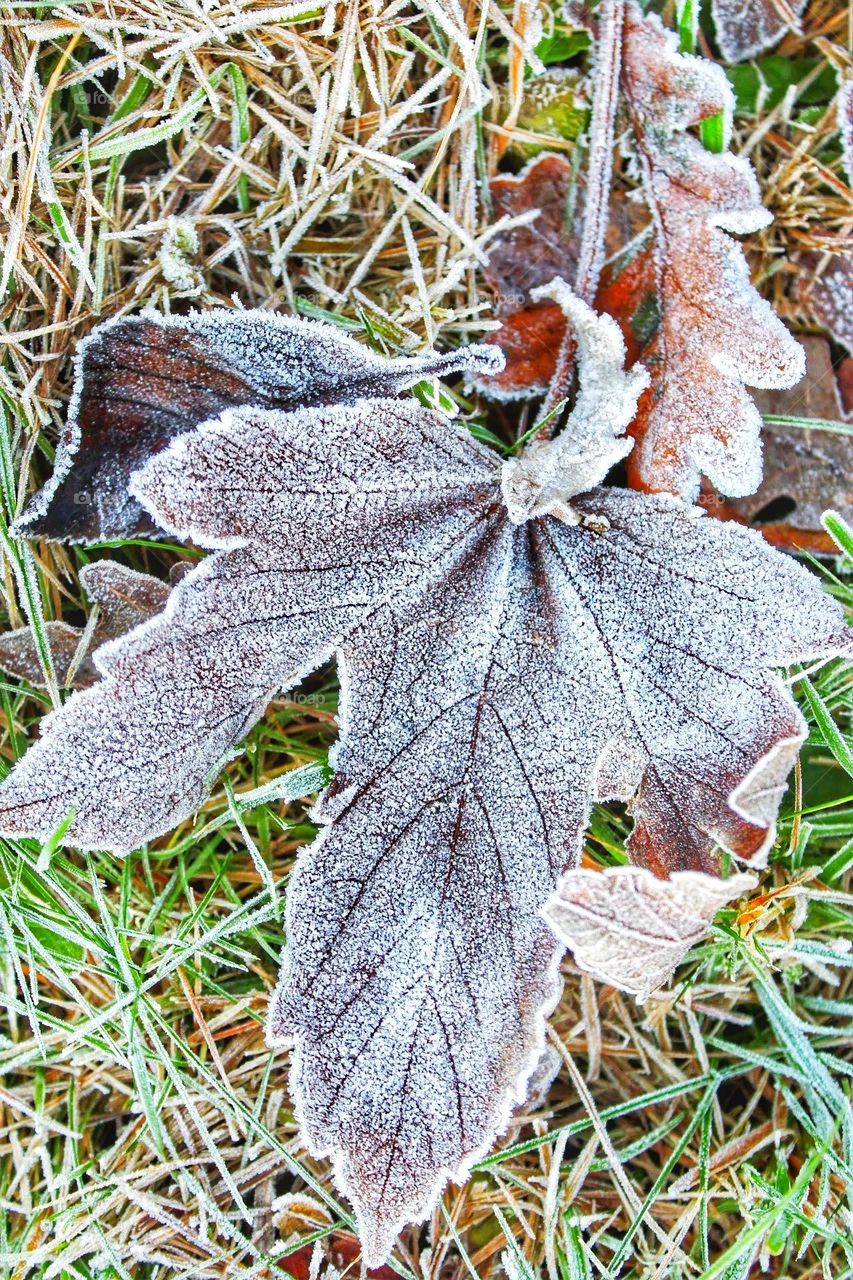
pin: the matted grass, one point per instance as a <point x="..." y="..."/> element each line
<point x="333" y="161"/>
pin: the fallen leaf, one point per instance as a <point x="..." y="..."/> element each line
<point x="524" y="258"/>
<point x="124" y="599"/>
<point x="806" y="472"/>
<point x="826" y="289"/>
<point x="715" y="332"/>
<point x="629" y="928"/>
<point x="748" y="27"/>
<point x="141" y="381"/>
<point x="510" y="650"/>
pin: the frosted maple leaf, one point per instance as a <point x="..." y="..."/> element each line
<point x="513" y="642"/>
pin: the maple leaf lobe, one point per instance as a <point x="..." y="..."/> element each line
<point x="141" y="381"/>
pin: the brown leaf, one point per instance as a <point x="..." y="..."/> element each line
<point x="747" y="27"/>
<point x="806" y="472"/>
<point x="531" y="255"/>
<point x="629" y="928"/>
<point x="527" y="257"/>
<point x="524" y="258"/>
<point x="124" y="599"/>
<point x="826" y="289"/>
<point x="141" y="381"/>
<point x="716" y="333"/>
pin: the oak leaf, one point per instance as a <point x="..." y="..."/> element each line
<point x="715" y="333"/>
<point x="807" y="470"/>
<point x="524" y="257"/>
<point x="510" y="649"/>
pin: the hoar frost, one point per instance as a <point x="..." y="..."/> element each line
<point x="512" y="645"/>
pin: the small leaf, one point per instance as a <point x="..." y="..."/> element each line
<point x="125" y="598"/>
<point x="826" y="289"/>
<point x="747" y="27"/>
<point x="627" y="927"/>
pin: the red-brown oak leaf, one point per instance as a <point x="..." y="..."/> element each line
<point x="523" y="258"/>
<point x="514" y="642"/>
<point x="715" y="332"/>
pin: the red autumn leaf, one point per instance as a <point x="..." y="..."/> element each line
<point x="524" y="258"/>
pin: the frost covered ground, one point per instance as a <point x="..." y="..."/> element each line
<point x="333" y="163"/>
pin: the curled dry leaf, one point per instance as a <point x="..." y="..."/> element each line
<point x="715" y="332"/>
<point x="747" y="27"/>
<point x="142" y="381"/>
<point x="124" y="599"/>
<point x="629" y="928"/>
<point x="500" y="670"/>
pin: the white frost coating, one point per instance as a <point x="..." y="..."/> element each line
<point x="747" y="27"/>
<point x="493" y="674"/>
<point x="830" y="296"/>
<point x="716" y="332"/>
<point x="629" y="928"/>
<point x="551" y="472"/>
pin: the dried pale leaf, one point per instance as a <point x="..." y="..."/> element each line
<point x="629" y="928"/>
<point x="141" y="381"/>
<point x="496" y="679"/>
<point x="748" y="27"/>
<point x="715" y="333"/>
<point x="125" y="598"/>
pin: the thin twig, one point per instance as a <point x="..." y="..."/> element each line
<point x="591" y="254"/>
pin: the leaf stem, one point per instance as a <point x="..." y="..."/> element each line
<point x="608" y="63"/>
